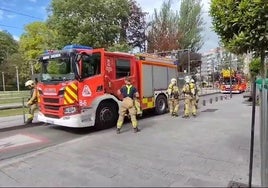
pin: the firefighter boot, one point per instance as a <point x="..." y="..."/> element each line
<point x="136" y="130"/>
<point x="185" y="116"/>
<point x="118" y="131"/>
<point x="28" y="121"/>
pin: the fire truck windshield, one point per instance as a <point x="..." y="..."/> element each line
<point x="226" y="81"/>
<point x="57" y="69"/>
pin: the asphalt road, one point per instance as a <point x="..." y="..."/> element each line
<point x="19" y="140"/>
<point x="209" y="150"/>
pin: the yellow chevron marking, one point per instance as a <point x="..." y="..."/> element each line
<point x="74" y="86"/>
<point x="74" y="95"/>
<point x="68" y="99"/>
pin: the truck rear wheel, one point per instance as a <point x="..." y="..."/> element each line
<point x="161" y="104"/>
<point x="106" y="115"/>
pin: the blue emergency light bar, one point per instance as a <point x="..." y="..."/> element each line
<point x="75" y="46"/>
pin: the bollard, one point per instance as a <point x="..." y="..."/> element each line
<point x="221" y="97"/>
<point x="23" y="110"/>
<point x="210" y="100"/>
<point x="204" y="102"/>
<point x="216" y="99"/>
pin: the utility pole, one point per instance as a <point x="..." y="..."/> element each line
<point x="18" y="83"/>
<point x="3" y="79"/>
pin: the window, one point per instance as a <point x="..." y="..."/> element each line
<point x="122" y="68"/>
<point x="56" y="69"/>
<point x="91" y="65"/>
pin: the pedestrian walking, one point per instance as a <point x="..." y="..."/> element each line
<point x="173" y="97"/>
<point x="189" y="101"/>
<point x="32" y="101"/>
<point x="130" y="94"/>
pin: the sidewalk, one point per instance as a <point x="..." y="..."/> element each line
<point x="209" y="150"/>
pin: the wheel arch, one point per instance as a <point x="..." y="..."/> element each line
<point x="105" y="98"/>
<point x="158" y="95"/>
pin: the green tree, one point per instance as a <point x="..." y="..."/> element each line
<point x="163" y="34"/>
<point x="241" y="25"/>
<point x="9" y="68"/>
<point x="94" y="23"/>
<point x="191" y="25"/>
<point x="134" y="26"/>
<point x="34" y="41"/>
<point x="8" y="45"/>
<point x="123" y="47"/>
<point x="255" y="67"/>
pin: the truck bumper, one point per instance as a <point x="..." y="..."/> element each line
<point x="85" y="119"/>
<point x="229" y="91"/>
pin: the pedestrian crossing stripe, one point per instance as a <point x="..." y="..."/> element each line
<point x="147" y="102"/>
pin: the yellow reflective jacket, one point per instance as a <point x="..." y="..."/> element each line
<point x="173" y="91"/>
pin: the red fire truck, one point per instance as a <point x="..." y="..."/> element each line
<point x="231" y="78"/>
<point x="78" y="85"/>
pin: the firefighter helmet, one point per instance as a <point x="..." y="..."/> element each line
<point x="29" y="83"/>
<point x="173" y="80"/>
<point x="192" y="80"/>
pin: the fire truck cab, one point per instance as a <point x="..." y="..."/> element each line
<point x="232" y="82"/>
<point x="78" y="85"/>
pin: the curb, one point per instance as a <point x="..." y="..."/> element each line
<point x="10" y="107"/>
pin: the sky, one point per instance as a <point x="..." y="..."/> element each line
<point x="15" y="14"/>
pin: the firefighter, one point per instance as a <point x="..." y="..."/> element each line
<point x="173" y="97"/>
<point x="130" y="94"/>
<point x="32" y="101"/>
<point x="194" y="91"/>
<point x="138" y="107"/>
<point x="189" y="101"/>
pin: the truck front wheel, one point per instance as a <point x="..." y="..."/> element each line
<point x="106" y="115"/>
<point x="161" y="104"/>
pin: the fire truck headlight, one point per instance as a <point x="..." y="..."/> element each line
<point x="70" y="110"/>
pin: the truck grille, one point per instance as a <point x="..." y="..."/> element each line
<point x="51" y="100"/>
<point x="49" y="107"/>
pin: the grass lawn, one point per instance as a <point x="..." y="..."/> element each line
<point x="13" y="112"/>
<point x="9" y="97"/>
